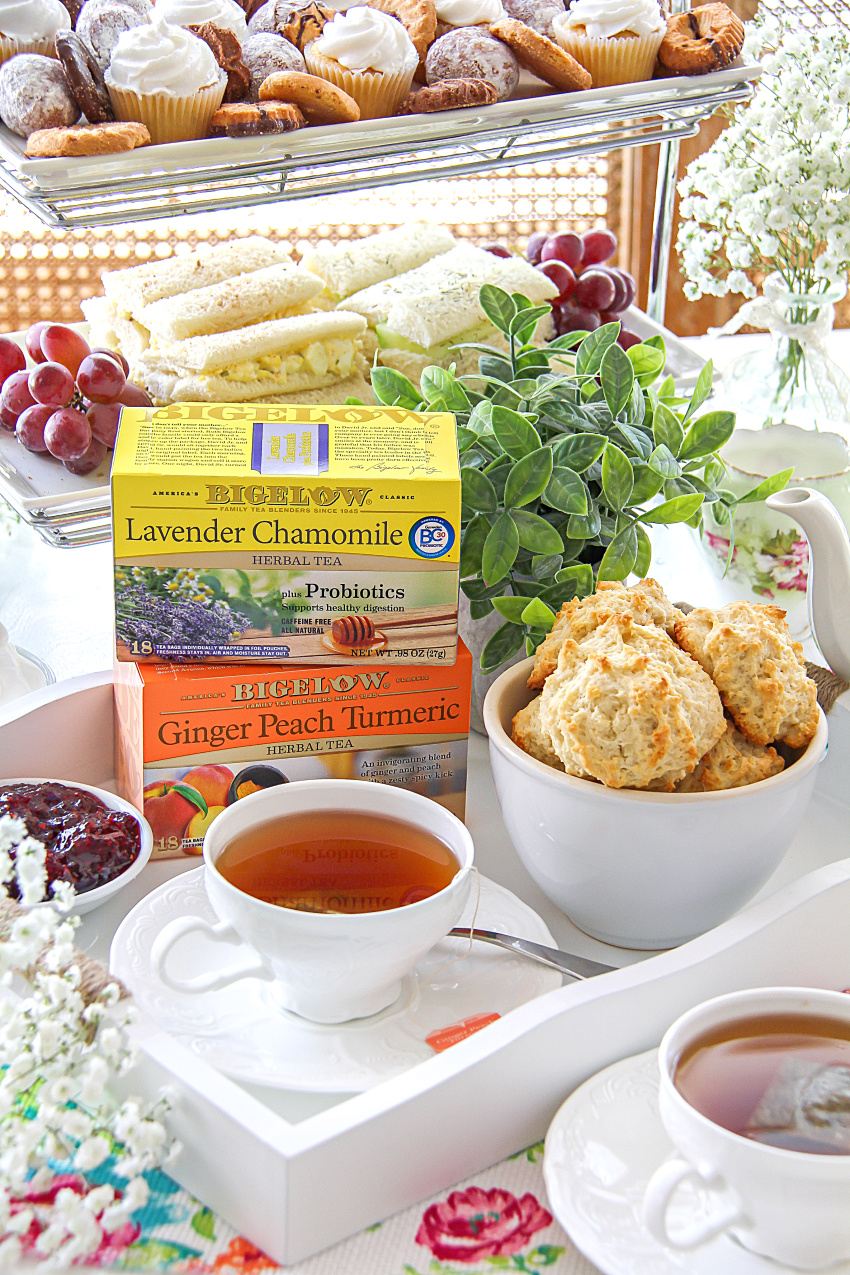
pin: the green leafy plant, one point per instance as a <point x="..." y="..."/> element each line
<point x="568" y="453"/>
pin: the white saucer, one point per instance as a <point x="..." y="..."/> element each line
<point x="601" y="1150"/>
<point x="241" y="1032"/>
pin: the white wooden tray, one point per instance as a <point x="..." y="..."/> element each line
<point x="297" y="1173"/>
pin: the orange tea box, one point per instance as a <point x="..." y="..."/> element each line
<point x="191" y="739"/>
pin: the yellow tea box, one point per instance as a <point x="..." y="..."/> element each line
<point x="193" y="738"/>
<point x="320" y="535"/>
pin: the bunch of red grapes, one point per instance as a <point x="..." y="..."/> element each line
<point x="590" y="292"/>
<point x="69" y="403"/>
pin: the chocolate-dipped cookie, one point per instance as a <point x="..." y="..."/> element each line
<point x="227" y="52"/>
<point x="84" y="77"/>
<point x="251" y="119"/>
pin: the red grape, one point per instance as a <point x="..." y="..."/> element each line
<point x="627" y="339"/>
<point x="51" y="384"/>
<point x="620" y="293"/>
<point x="535" y="246"/>
<point x="33" y="341"/>
<point x="497" y="249"/>
<point x="101" y="378"/>
<point x="103" y="419"/>
<point x="133" y="395"/>
<point x="566" y="248"/>
<point x="30" y="427"/>
<point x="67" y="434"/>
<point x="63" y="345"/>
<point x="113" y="354"/>
<point x="597" y="246"/>
<point x="89" y="460"/>
<point x="8" y="419"/>
<point x="577" y="318"/>
<point x="561" y="275"/>
<point x="15" y="395"/>
<point x="628" y="283"/>
<point x="595" y="290"/>
<point x="12" y="358"/>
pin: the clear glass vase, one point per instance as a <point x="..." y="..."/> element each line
<point x="792" y="378"/>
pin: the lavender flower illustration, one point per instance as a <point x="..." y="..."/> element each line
<point x="174" y="622"/>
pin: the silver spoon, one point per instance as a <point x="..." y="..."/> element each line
<point x="573" y="966"/>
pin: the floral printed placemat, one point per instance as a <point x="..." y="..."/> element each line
<point x="496" y="1223"/>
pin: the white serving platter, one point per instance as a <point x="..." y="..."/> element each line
<point x="298" y="1173"/>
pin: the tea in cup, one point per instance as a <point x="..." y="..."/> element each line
<point x="755" y="1095"/>
<point x="339" y="887"/>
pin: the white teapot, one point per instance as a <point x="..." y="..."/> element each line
<point x="829" y="571"/>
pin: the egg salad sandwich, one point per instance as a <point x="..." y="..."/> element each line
<point x="415" y="319"/>
<point x="278" y="356"/>
<point x="351" y="265"/>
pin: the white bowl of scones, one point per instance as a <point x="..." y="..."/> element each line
<point x="652" y="766"/>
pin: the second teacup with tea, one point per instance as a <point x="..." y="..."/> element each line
<point x="338" y="886"/>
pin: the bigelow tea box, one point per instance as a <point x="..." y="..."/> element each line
<point x="311" y="534"/>
<point x="192" y="738"/>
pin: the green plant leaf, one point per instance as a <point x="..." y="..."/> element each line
<point x="498" y="305"/>
<point x="500" y="548"/>
<point x="510" y="607"/>
<point x="581" y="576"/>
<point x="635" y="411"/>
<point x="192" y="795"/>
<point x="617" y="377"/>
<point x="513" y="432"/>
<point x="647" y="484"/>
<point x="667" y="388"/>
<point x="667" y="429"/>
<point x="528" y="478"/>
<point x="647" y="361"/>
<point x="532" y="361"/>
<point x="579" y="451"/>
<point x="524" y="322"/>
<point x="679" y="509"/>
<point x="590" y="352"/>
<point x="477" y="490"/>
<point x="707" y="434"/>
<point x="545" y="565"/>
<point x="768" y="487"/>
<point x="394" y="390"/>
<point x="439" y="384"/>
<point x="643" y="557"/>
<point x="538" y="615"/>
<point x="566" y="342"/>
<point x="634" y="440"/>
<point x="664" y="462"/>
<point x="472" y="542"/>
<point x="481" y="418"/>
<point x="536" y="534"/>
<point x="502" y="646"/>
<point x="701" y="390"/>
<point x="619" y="558"/>
<point x="495" y="368"/>
<point x="585" y="526"/>
<point x="479" y="608"/>
<point x="565" y="491"/>
<point x="466" y="438"/>
<point x="618" y="477"/>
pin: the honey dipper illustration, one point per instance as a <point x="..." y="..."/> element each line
<point x="359" y="631"/>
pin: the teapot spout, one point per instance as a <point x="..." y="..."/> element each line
<point x="829" y="571"/>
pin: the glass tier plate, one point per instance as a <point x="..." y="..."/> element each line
<point x="220" y="173"/>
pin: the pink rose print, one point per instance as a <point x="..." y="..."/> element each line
<point x="474" y="1224"/>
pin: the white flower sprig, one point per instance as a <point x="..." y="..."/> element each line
<point x="772" y="194"/>
<point x="60" y="1048"/>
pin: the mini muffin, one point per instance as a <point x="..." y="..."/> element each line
<point x="733" y="762"/>
<point x="760" y="672"/>
<point x="30" y="26"/>
<point x="368" y="55"/>
<point x="616" y="42"/>
<point x="645" y="602"/>
<point x="166" y="78"/>
<point x="628" y="707"/>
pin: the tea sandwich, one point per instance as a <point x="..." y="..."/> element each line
<point x="271" y="532"/>
<point x="192" y="739"/>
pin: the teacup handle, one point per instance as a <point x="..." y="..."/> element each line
<point x="223" y="932"/>
<point x="659" y="1192"/>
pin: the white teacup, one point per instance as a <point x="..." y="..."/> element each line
<point x="327" y="968"/>
<point x="791" y="1206"/>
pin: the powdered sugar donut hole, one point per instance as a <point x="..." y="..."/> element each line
<point x="538" y="14"/>
<point x="103" y="22"/>
<point x="469" y="53"/>
<point x="34" y="94"/>
<point x="271" y="16"/>
<point x="264" y="53"/>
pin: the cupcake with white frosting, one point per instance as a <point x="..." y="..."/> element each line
<point x="615" y="40"/>
<point x="166" y="78"/>
<point x="193" y="13"/>
<point x="369" y="55"/>
<point x="30" y="26"/>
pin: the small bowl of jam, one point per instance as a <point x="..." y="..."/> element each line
<point x="95" y="841"/>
